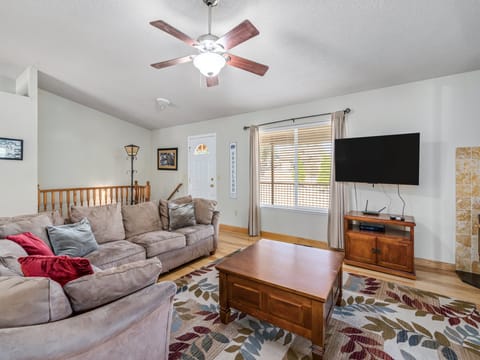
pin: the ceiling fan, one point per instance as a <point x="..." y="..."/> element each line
<point x="212" y="50"/>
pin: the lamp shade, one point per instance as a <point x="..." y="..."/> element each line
<point x="209" y="63"/>
<point x="132" y="150"/>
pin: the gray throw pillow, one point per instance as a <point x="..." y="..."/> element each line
<point x="75" y="240"/>
<point x="181" y="215"/>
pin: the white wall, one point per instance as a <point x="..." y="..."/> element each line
<point x="79" y="146"/>
<point x="18" y="120"/>
<point x="444" y="110"/>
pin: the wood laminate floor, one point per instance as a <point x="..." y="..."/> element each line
<point x="439" y="281"/>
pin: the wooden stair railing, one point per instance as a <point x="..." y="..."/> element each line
<point x="174" y="191"/>
<point x="62" y="199"/>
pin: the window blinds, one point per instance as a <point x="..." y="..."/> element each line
<point x="295" y="166"/>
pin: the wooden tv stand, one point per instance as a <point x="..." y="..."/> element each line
<point x="391" y="251"/>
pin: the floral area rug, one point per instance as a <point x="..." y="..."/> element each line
<point x="377" y="320"/>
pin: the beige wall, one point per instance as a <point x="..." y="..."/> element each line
<point x="444" y="110"/>
<point x="79" y="146"/>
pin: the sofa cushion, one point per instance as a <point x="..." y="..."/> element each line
<point x="163" y="208"/>
<point x="157" y="242"/>
<point x="106" y="221"/>
<point x="10" y="248"/>
<point x="140" y="218"/>
<point x="180" y="216"/>
<point x="108" y="285"/>
<point x="204" y="209"/>
<point x="55" y="217"/>
<point x="36" y="225"/>
<point x="194" y="234"/>
<point x="116" y="253"/>
<point x="72" y="239"/>
<point x="32" y="244"/>
<point x="9" y="266"/>
<point x="31" y="300"/>
<point x="62" y="269"/>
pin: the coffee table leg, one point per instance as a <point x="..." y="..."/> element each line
<point x="318" y="327"/>
<point x="340" y="286"/>
<point x="224" y="307"/>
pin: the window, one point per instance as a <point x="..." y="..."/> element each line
<point x="295" y="164"/>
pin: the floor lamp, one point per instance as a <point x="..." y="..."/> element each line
<point x="132" y="151"/>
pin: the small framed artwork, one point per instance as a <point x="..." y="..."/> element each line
<point x="11" y="149"/>
<point x="167" y="159"/>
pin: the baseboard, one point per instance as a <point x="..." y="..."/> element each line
<point x="294" y="240"/>
<point x="431" y="264"/>
<point x="235" y="229"/>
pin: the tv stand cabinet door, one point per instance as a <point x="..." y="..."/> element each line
<point x="395" y="253"/>
<point x="361" y="248"/>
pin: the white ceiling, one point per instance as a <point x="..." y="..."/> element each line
<point x="97" y="52"/>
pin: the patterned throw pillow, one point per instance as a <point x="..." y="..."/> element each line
<point x="181" y="215"/>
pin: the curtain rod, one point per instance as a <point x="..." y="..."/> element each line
<point x="346" y="111"/>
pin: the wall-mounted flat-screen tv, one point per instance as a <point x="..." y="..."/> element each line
<point x="388" y="159"/>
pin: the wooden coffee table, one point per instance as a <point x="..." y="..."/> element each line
<point x="292" y="286"/>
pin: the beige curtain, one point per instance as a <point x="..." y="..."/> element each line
<point x="338" y="196"/>
<point x="254" y="196"/>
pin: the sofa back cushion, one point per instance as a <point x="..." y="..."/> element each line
<point x="36" y="225"/>
<point x="204" y="209"/>
<point x="30" y="301"/>
<point x="72" y="239"/>
<point x="163" y="208"/>
<point x="108" y="285"/>
<point x="106" y="221"/>
<point x="140" y="218"/>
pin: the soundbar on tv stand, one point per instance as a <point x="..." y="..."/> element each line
<point x="372" y="212"/>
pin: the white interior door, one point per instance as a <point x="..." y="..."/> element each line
<point x="202" y="166"/>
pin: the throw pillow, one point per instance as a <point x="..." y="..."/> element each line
<point x="163" y="208"/>
<point x="108" y="285"/>
<point x="32" y="244"/>
<point x="106" y="221"/>
<point x="11" y="248"/>
<point x="140" y="219"/>
<point x="204" y="209"/>
<point x="62" y="269"/>
<point x="75" y="240"/>
<point x="30" y="301"/>
<point x="181" y="215"/>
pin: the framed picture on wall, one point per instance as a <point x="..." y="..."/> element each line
<point x="167" y="158"/>
<point x="11" y="149"/>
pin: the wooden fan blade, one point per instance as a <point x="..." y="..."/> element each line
<point x="247" y="65"/>
<point x="162" y="25"/>
<point x="212" y="81"/>
<point x="163" y="64"/>
<point x="238" y="35"/>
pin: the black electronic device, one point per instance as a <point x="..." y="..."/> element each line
<point x="388" y="159"/>
<point x="372" y="227"/>
<point x="372" y="212"/>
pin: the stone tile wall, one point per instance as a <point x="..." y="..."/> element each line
<point x="467" y="209"/>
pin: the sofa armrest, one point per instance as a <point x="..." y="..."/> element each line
<point x="120" y="330"/>
<point x="216" y="225"/>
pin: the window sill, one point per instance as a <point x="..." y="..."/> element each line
<point x="296" y="210"/>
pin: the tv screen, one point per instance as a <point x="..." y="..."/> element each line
<point x="389" y="159"/>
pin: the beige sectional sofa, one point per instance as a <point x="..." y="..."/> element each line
<point x="45" y="324"/>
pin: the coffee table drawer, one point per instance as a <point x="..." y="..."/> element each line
<point x="255" y="298"/>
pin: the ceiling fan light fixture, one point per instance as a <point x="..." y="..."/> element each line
<point x="209" y="63"/>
